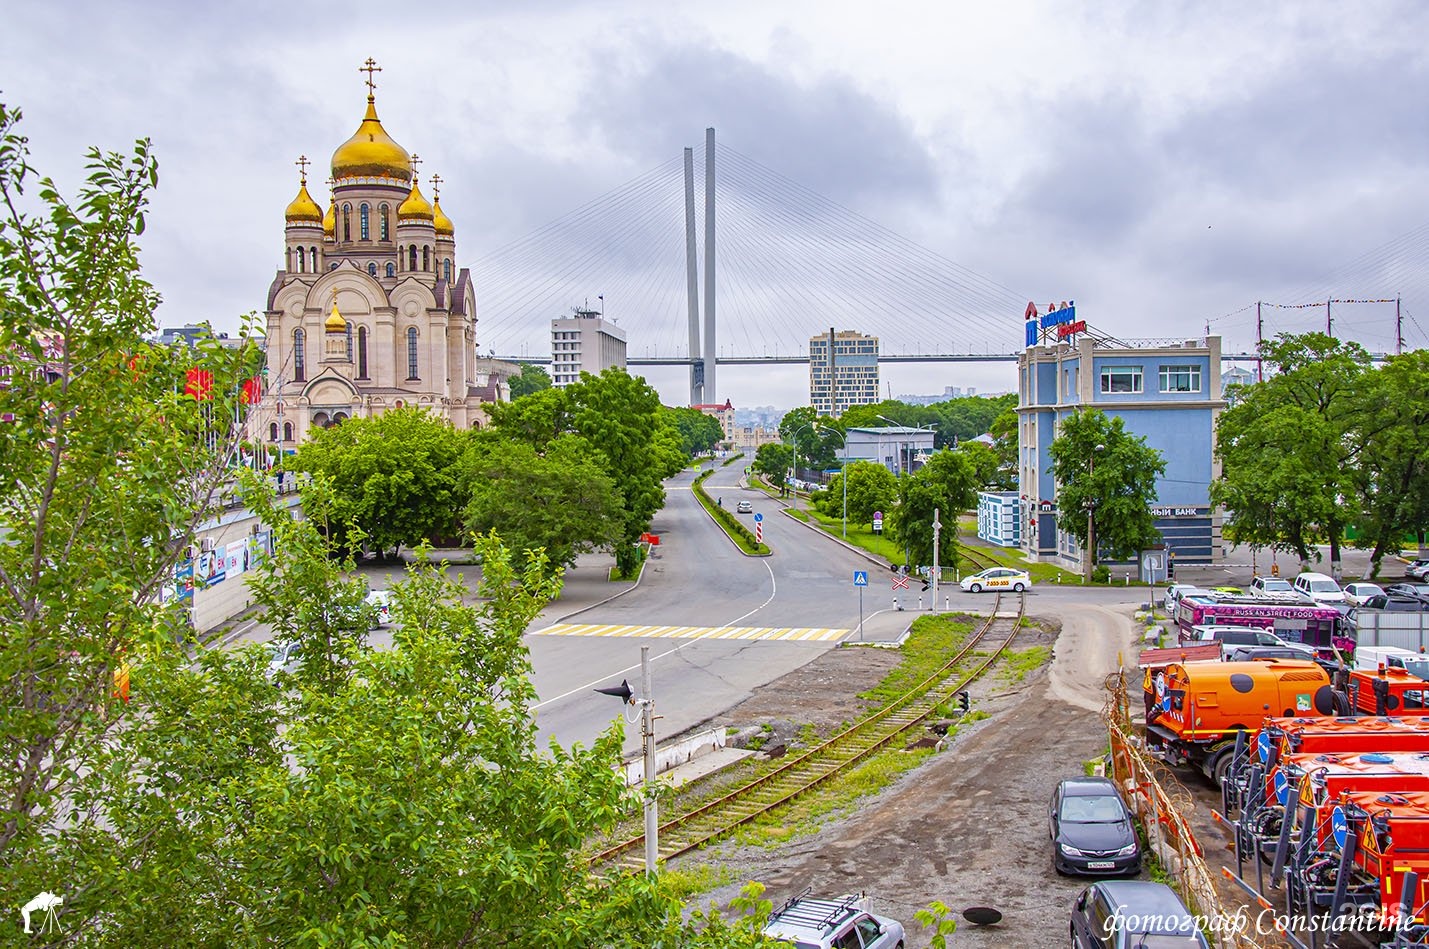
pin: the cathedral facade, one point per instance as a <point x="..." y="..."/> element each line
<point x="370" y="311"/>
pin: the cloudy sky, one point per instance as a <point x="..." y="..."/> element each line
<point x="1165" y="165"/>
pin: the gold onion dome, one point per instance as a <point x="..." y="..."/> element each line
<point x="335" y="323"/>
<point x="444" y="223"/>
<point x="330" y="219"/>
<point x="303" y="209"/>
<point x="371" y="153"/>
<point x="415" y="206"/>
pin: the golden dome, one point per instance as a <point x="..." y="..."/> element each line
<point x="304" y="208"/>
<point x="444" y="223"/>
<point x="330" y="219"/>
<point x="371" y="153"/>
<point x="335" y="323"/>
<point x="415" y="206"/>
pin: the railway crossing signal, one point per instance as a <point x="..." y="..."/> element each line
<point x="900" y="582"/>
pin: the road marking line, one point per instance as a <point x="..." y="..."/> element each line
<point x="791" y="633"/>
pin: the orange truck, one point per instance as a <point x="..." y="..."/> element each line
<point x="1197" y="709"/>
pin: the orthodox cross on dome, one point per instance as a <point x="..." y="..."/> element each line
<point x="436" y="186"/>
<point x="370" y="67"/>
<point x="415" y="161"/>
<point x="303" y="164"/>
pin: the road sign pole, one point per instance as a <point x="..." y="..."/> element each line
<point x="860" y="614"/>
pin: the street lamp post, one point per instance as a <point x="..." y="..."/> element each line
<point x="843" y="474"/>
<point x="1091" y="514"/>
<point x="795" y="439"/>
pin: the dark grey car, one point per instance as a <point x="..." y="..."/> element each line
<point x="1092" y="831"/>
<point x="1133" y="914"/>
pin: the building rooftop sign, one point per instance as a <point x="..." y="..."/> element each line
<point x="1059" y="319"/>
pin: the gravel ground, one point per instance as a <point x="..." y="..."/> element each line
<point x="969" y="826"/>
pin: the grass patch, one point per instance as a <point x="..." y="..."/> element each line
<point x="683" y="883"/>
<point x="932" y="641"/>
<point x="737" y="532"/>
<point x="1015" y="664"/>
<point x="731" y="460"/>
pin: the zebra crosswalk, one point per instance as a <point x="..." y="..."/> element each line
<point x="786" y="633"/>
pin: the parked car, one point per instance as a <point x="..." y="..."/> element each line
<point x="997" y="578"/>
<point x="1231" y="637"/>
<point x="381" y="601"/>
<point x="1417" y="590"/>
<point x="282" y="657"/>
<point x="1177" y="591"/>
<point x="1251" y="653"/>
<point x="1418" y="569"/>
<point x="1275" y="588"/>
<point x="1357" y="593"/>
<point x="1228" y="590"/>
<point x="1320" y="588"/>
<point x="811" y="923"/>
<point x="1092" y="831"/>
<point x="1396" y="602"/>
<point x="744" y="507"/>
<point x="1133" y="914"/>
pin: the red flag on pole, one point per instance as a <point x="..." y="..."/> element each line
<point x="199" y="384"/>
<point x="252" y="390"/>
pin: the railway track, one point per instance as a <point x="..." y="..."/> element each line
<point x="836" y="755"/>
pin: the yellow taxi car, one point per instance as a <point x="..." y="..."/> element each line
<point x="997" y="578"/>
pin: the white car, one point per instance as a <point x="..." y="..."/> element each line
<point x="997" y="578"/>
<point x="1275" y="588"/>
<point x="1417" y="569"/>
<point x="381" y="600"/>
<point x="1320" y="588"/>
<point x="1357" y="593"/>
<point x="808" y="922"/>
<point x="1179" y="591"/>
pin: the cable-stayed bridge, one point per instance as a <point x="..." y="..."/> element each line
<point x="790" y="264"/>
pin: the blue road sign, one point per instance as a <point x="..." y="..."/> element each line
<point x="1339" y="827"/>
<point x="758" y="518"/>
<point x="860" y="578"/>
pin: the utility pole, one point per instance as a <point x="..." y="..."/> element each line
<point x="937" y="530"/>
<point x="1398" y="329"/>
<point x="647" y="743"/>
<point x="1259" y="338"/>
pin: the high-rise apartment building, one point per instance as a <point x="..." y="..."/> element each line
<point x="843" y="371"/>
<point x="584" y="342"/>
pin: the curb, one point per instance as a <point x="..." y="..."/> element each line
<point x="590" y="606"/>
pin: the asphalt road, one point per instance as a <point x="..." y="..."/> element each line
<point x="699" y="578"/>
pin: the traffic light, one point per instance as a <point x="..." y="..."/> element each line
<point x="964" y="704"/>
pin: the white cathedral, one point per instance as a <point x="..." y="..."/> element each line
<point x="370" y="311"/>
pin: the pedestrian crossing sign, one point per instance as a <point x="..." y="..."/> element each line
<point x="860" y="578"/>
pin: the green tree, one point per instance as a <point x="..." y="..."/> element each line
<point x="537" y="419"/>
<point x="1106" y="484"/>
<point x="1289" y="463"/>
<point x="699" y="433"/>
<point x="619" y="415"/>
<point x="531" y="378"/>
<point x="395" y="476"/>
<point x="1004" y="441"/>
<point x="559" y="501"/>
<point x="1392" y="470"/>
<point x="946" y="484"/>
<point x="985" y="463"/>
<point x="774" y="460"/>
<point x="871" y="487"/>
<point x="106" y="469"/>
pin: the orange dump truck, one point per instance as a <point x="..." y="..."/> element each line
<point x="1196" y="709"/>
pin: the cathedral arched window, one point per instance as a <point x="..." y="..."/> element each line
<point x="371" y="269"/>
<point x="287" y="431"/>
<point x="382" y="222"/>
<point x="349" y="342"/>
<point x="302" y="259"/>
<point x="391" y="270"/>
<point x="300" y="358"/>
<point x="447" y="270"/>
<point x="412" y="257"/>
<point x="412" y="352"/>
<point x="313" y="255"/>
<point x="426" y="257"/>
<point x="273" y="432"/>
<point x="362" y="352"/>
<point x="347" y="223"/>
<point x="362" y="222"/>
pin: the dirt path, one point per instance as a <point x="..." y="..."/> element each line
<point x="969" y="827"/>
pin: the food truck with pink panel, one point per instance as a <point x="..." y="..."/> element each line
<point x="1307" y="623"/>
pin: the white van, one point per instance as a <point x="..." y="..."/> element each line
<point x="1320" y="588"/>
<point x="1392" y="657"/>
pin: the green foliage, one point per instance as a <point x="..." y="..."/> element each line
<point x="560" y="501"/>
<point x="1101" y="573"/>
<point x="946" y="485"/>
<point x="536" y="418"/>
<point x="774" y="460"/>
<point x="1004" y="433"/>
<point x="531" y="378"/>
<point x="871" y="488"/>
<point x="1100" y="466"/>
<point x="985" y="464"/>
<point x="699" y="433"/>
<point x="395" y="476"/>
<point x="815" y="438"/>
<point x="733" y="526"/>
<point x="938" y="918"/>
<point x="1391" y="473"/>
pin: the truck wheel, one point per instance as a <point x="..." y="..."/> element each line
<point x="1219" y="767"/>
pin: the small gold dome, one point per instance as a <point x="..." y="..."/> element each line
<point x="330" y="219"/>
<point x="335" y="323"/>
<point x="303" y="209"/>
<point x="444" y="223"/>
<point x="371" y="152"/>
<point x="415" y="206"/>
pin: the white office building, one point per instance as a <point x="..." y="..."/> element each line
<point x="584" y="342"/>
